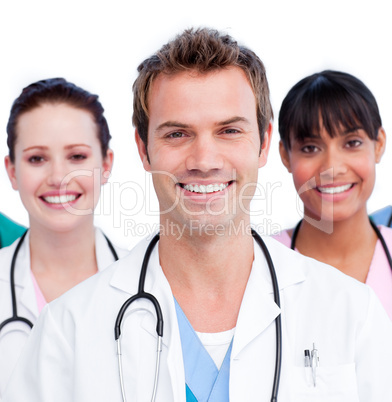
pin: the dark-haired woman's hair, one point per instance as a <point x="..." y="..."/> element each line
<point x="337" y="100"/>
<point x="56" y="91"/>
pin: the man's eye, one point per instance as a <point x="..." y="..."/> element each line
<point x="231" y="131"/>
<point x="176" y="134"/>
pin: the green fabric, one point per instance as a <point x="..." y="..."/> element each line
<point x="9" y="231"/>
<point x="189" y="395"/>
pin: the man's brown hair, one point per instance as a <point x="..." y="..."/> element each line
<point x="202" y="50"/>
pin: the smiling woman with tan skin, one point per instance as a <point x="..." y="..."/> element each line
<point x="58" y="159"/>
<point x="331" y="140"/>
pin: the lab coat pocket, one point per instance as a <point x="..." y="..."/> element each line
<point x="333" y="384"/>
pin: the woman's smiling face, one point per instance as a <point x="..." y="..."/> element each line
<point x="334" y="176"/>
<point x="58" y="167"/>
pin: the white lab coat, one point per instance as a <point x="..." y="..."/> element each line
<point x="71" y="355"/>
<point x="13" y="336"/>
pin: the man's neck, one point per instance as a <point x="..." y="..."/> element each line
<point x="208" y="275"/>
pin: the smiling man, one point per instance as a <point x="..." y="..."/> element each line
<point x="203" y="129"/>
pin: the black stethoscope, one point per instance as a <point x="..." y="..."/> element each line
<point x="15" y="317"/>
<point x="141" y="294"/>
<point x="375" y="228"/>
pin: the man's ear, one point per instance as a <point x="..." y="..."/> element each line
<point x="380" y="144"/>
<point x="265" y="146"/>
<point x="143" y="153"/>
<point x="284" y="155"/>
<point x="10" y="167"/>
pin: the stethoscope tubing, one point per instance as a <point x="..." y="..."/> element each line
<point x="278" y="320"/>
<point x="15" y="317"/>
<point x="141" y="294"/>
<point x="382" y="240"/>
<point x="374" y="226"/>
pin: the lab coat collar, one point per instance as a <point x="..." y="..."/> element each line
<point x="289" y="271"/>
<point x="23" y="279"/>
<point x="258" y="308"/>
<point x="258" y="291"/>
<point x="103" y="253"/>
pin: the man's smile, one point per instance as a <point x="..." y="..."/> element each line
<point x="205" y="188"/>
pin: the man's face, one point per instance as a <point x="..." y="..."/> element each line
<point x="203" y="146"/>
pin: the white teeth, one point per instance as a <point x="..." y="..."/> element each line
<point x="202" y="189"/>
<point x="334" y="190"/>
<point x="62" y="199"/>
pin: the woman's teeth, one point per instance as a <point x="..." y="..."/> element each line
<point x="59" y="199"/>
<point x="202" y="189"/>
<point x="334" y="190"/>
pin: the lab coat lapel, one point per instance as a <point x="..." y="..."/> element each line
<point x="103" y="253"/>
<point x="175" y="361"/>
<point x="258" y="309"/>
<point x="23" y="278"/>
<point x="160" y="288"/>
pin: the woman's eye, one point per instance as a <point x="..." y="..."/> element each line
<point x="353" y="143"/>
<point x="78" y="157"/>
<point x="308" y="149"/>
<point x="36" y="159"/>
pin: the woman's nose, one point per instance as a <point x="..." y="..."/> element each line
<point x="57" y="175"/>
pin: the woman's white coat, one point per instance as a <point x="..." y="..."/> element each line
<point x="13" y="336"/>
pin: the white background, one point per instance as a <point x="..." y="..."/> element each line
<point x="99" y="44"/>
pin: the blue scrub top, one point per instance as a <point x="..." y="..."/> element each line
<point x="204" y="382"/>
<point x="382" y="216"/>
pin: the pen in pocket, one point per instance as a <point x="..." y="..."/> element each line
<point x="307" y="366"/>
<point x="314" y="363"/>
